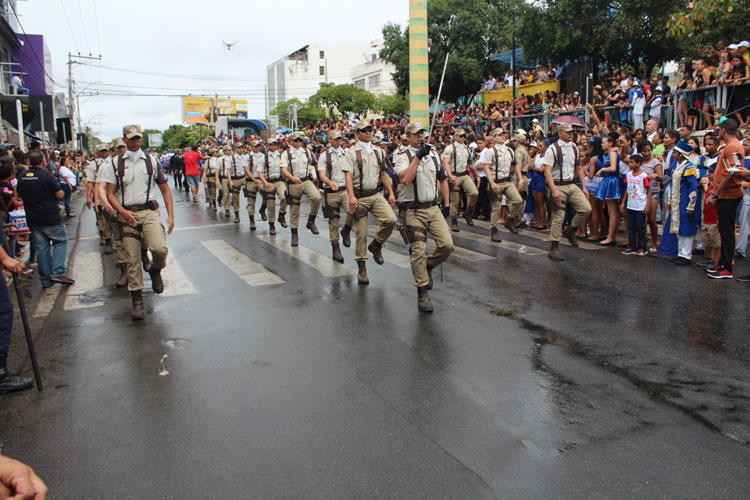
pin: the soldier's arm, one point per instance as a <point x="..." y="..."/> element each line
<point x="350" y="191"/>
<point x="115" y="204"/>
<point x="169" y="203"/>
<point x="409" y="173"/>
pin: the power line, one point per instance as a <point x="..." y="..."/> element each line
<point x="96" y="20"/>
<point x="83" y="26"/>
<point x="33" y="50"/>
<point x="70" y="28"/>
<point x="245" y="91"/>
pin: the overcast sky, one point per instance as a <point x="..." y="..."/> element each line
<point x="183" y="38"/>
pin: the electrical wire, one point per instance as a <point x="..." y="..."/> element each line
<point x="70" y="28"/>
<point x="33" y="50"/>
<point x="83" y="26"/>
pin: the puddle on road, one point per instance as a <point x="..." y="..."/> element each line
<point x="162" y="370"/>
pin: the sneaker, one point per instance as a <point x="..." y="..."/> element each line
<point x="714" y="269"/>
<point x="699" y="251"/>
<point x="641" y="252"/>
<point x="628" y="251"/>
<point x="706" y="263"/>
<point x="744" y="279"/>
<point x="723" y="274"/>
<point x="682" y="261"/>
<point x="63" y="280"/>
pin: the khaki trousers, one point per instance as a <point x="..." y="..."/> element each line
<point x="383" y="212"/>
<point x="277" y="189"/>
<point x="512" y="197"/>
<point x="233" y="186"/>
<point x="122" y="258"/>
<point x="295" y="193"/>
<point x="420" y="222"/>
<point x="102" y="223"/>
<point x="573" y="196"/>
<point x="467" y="185"/>
<point x="337" y="201"/>
<point x="252" y="193"/>
<point x="211" y="189"/>
<point x="149" y="231"/>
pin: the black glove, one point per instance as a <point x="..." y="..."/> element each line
<point x="423" y="150"/>
<point x="446" y="211"/>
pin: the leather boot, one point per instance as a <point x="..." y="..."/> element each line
<point x="429" y="276"/>
<point x="213" y="206"/>
<point x="145" y="260"/>
<point x="263" y="215"/>
<point x="346" y="237"/>
<point x="295" y="238"/>
<point x="226" y="213"/>
<point x="362" y="278"/>
<point x="454" y="224"/>
<point x="282" y="219"/>
<point x="510" y="224"/>
<point x="376" y="249"/>
<point x="123" y="279"/>
<point x="495" y="235"/>
<point x="311" y="225"/>
<point x="423" y="299"/>
<point x="467" y="217"/>
<point x="157" y="283"/>
<point x="236" y="217"/>
<point x="554" y="251"/>
<point x="252" y="223"/>
<point x="102" y="241"/>
<point x="570" y="233"/>
<point x="272" y="228"/>
<point x="336" y="252"/>
<point x="10" y="382"/>
<point x="138" y="312"/>
<point x="108" y="246"/>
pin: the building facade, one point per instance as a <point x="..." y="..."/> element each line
<point x="375" y="74"/>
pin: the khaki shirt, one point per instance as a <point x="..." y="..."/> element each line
<point x="258" y="164"/>
<point x="429" y="172"/>
<point x="90" y="170"/>
<point x="372" y="165"/>
<point x="135" y="179"/>
<point x="523" y="159"/>
<point x="458" y="156"/>
<point x="570" y="153"/>
<point x="244" y="160"/>
<point x="231" y="166"/>
<point x="336" y="173"/>
<point x="213" y="165"/>
<point x="500" y="160"/>
<point x="297" y="162"/>
<point x="272" y="165"/>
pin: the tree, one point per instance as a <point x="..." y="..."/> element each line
<point x="708" y="21"/>
<point x="392" y="104"/>
<point x="180" y="136"/>
<point x="345" y="98"/>
<point x="307" y="113"/>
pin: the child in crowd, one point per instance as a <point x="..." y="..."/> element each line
<point x="710" y="226"/>
<point x="637" y="197"/>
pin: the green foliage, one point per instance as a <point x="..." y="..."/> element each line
<point x="145" y="144"/>
<point x="180" y="136"/>
<point x="708" y="21"/>
<point x="392" y="104"/>
<point x="307" y="112"/>
<point x="345" y="98"/>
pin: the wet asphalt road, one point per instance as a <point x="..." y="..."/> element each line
<point x="603" y="376"/>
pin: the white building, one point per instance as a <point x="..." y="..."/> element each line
<point x="374" y="75"/>
<point x="300" y="73"/>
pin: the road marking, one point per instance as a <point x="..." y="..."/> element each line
<point x="253" y="273"/>
<point x="88" y="271"/>
<point x="322" y="263"/>
<point x="505" y="244"/>
<point x="81" y="238"/>
<point x="539" y="235"/>
<point x="47" y="301"/>
<point x="204" y="226"/>
<point x="391" y="257"/>
<point x="176" y="282"/>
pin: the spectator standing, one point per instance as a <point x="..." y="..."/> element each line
<point x="40" y="192"/>
<point x="745" y="212"/>
<point x="635" y="201"/>
<point x="8" y="381"/>
<point x="193" y="172"/>
<point x="68" y="181"/>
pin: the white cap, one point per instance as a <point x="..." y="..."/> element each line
<point x="535" y="120"/>
<point x="744" y="43"/>
<point x="733" y="46"/>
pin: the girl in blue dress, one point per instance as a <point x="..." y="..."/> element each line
<point x="537" y="184"/>
<point x="598" y="222"/>
<point x="609" y="190"/>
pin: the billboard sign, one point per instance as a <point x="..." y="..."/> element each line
<point x="209" y="109"/>
<point x="155" y="140"/>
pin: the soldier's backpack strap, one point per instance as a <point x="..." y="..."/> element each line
<point x="414" y="182"/>
<point x="266" y="166"/>
<point x="329" y="164"/>
<point x="121" y="175"/>
<point x="358" y="154"/>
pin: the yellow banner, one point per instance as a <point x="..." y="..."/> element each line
<point x="208" y="109"/>
<point x="529" y="89"/>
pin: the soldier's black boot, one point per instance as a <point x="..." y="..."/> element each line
<point x="272" y="228"/>
<point x="145" y="260"/>
<point x="295" y="238"/>
<point x="252" y="223"/>
<point x="263" y="215"/>
<point x="362" y="278"/>
<point x="10" y="382"/>
<point x="376" y="249"/>
<point x="454" y="224"/>
<point x="138" y="312"/>
<point x="429" y="276"/>
<point x="495" y="235"/>
<point x="570" y="233"/>
<point x="510" y="224"/>
<point x="467" y="217"/>
<point x="123" y="279"/>
<point x="554" y="251"/>
<point x="236" y="217"/>
<point x="157" y="283"/>
<point x="423" y="299"/>
<point x="336" y="252"/>
<point x="311" y="225"/>
<point x="346" y="238"/>
<point x="108" y="246"/>
<point x="282" y="219"/>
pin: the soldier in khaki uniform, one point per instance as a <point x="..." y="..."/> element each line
<point x="252" y="161"/>
<point x="273" y="184"/>
<point x="92" y="196"/>
<point x="211" y="176"/>
<point x="365" y="174"/>
<point x="138" y="176"/>
<point x="333" y="182"/>
<point x="423" y="181"/>
<point x="232" y="180"/>
<point x="295" y="166"/>
<point x="500" y="165"/>
<point x="561" y="168"/>
<point x="524" y="162"/>
<point x="457" y="162"/>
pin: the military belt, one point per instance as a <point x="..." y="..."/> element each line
<point x="413" y="205"/>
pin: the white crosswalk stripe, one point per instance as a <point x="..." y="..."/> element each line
<point x="243" y="266"/>
<point x="88" y="271"/>
<point x="505" y="244"/>
<point x="322" y="263"/>
<point x="176" y="282"/>
<point x="538" y="235"/>
<point x="391" y="257"/>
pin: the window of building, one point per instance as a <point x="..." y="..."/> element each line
<point x="360" y="83"/>
<point x="374" y="81"/>
<point x="322" y="54"/>
<point x="322" y="70"/>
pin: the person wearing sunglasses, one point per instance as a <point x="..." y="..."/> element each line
<point x="295" y="166"/>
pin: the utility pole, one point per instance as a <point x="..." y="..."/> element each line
<point x="71" y="103"/>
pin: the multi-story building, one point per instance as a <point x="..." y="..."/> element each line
<point x="374" y="75"/>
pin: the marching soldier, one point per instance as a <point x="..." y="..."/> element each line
<point x="92" y="196"/>
<point x="419" y="170"/>
<point x="500" y="165"/>
<point x="524" y="162"/>
<point x="252" y="161"/>
<point x="295" y="166"/>
<point x="365" y="174"/>
<point x="273" y="184"/>
<point x="457" y="162"/>
<point x="137" y="176"/>
<point x="232" y="179"/>
<point x="333" y="182"/>
<point x="110" y="216"/>
<point x="211" y="176"/>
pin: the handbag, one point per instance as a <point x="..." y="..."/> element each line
<point x="18" y="218"/>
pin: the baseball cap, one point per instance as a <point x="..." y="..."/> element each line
<point x="294" y="137"/>
<point x="272" y="140"/>
<point x="460" y="132"/>
<point x="335" y="134"/>
<point x="519" y="137"/>
<point x="375" y="140"/>
<point x="535" y="120"/>
<point x="636" y="83"/>
<point x="533" y="144"/>
<point x="564" y="127"/>
<point x="362" y="125"/>
<point x="497" y="131"/>
<point x="130" y="131"/>
<point x="103" y="147"/>
<point x="255" y="143"/>
<point x="119" y="142"/>
<point x="414" y="128"/>
<point x="744" y="43"/>
<point x="733" y="46"/>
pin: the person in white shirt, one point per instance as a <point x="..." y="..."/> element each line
<point x="655" y="110"/>
<point x="67" y="182"/>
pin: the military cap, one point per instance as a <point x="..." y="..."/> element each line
<point x="130" y="131"/>
<point x="414" y="128"/>
<point x="335" y="134"/>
